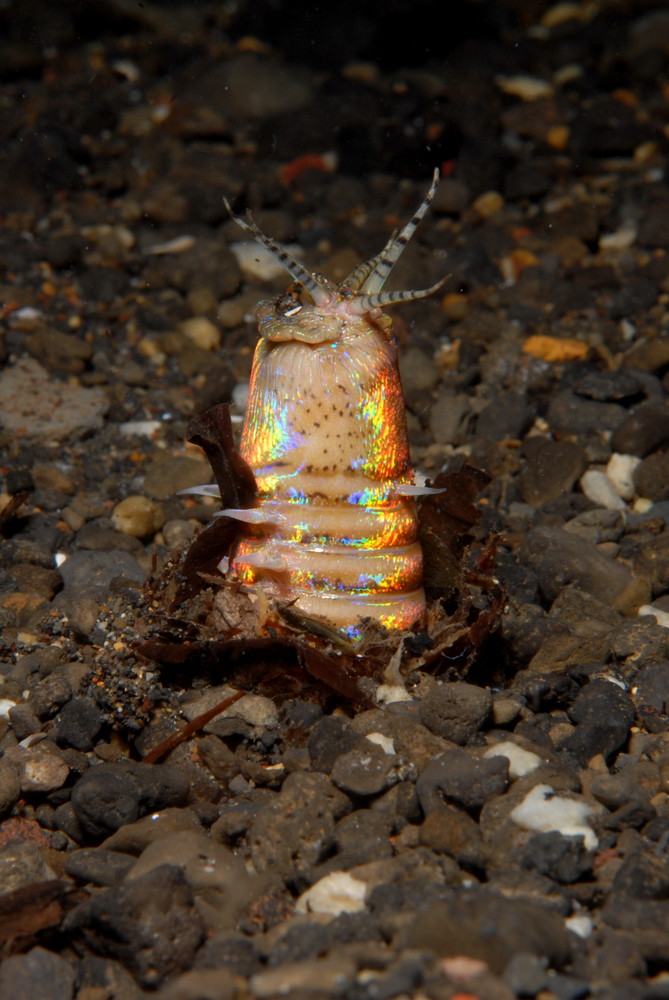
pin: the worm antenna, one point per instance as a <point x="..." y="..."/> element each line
<point x="362" y="304"/>
<point x="318" y="292"/>
<point x="394" y="247"/>
<point x="357" y="277"/>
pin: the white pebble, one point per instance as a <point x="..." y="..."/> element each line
<point x="661" y="617"/>
<point x="139" y="428"/>
<point x="336" y="893"/>
<point x="579" y="924"/>
<point x="598" y="487"/>
<point x="528" y="88"/>
<point x="622" y="239"/>
<point x="178" y="245"/>
<point x="257" y="262"/>
<point x="542" y="811"/>
<point x="202" y="332"/>
<point x="389" y="694"/>
<point x="385" y="742"/>
<point x="5" y="705"/>
<point x="240" y="394"/>
<point x="620" y="470"/>
<point x="521" y="762"/>
<point x="254" y="709"/>
<point x="138" y="516"/>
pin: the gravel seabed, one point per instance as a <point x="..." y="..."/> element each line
<point x="503" y="831"/>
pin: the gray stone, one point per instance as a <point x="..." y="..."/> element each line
<point x="37" y="975"/>
<point x="456" y="711"/>
<point x="111" y="795"/>
<point x="461" y="778"/>
<point x="150" y="924"/>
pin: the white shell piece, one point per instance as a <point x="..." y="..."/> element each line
<point x="620" y="470"/>
<point x="542" y="811"/>
<point x="385" y="742"/>
<point x="528" y="88"/>
<point x="580" y="924"/>
<point x="388" y="694"/>
<point x="32" y="740"/>
<point x="336" y="893"/>
<point x="661" y="617"/>
<point x="178" y="245"/>
<point x="521" y="762"/>
<point x="598" y="487"/>
<point x="5" y="705"/>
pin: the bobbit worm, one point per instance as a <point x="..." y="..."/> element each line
<point x="335" y="528"/>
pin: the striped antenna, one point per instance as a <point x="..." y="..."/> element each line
<point x="358" y="275"/>
<point x="394" y="247"/>
<point x="318" y="292"/>
<point x="362" y="304"/>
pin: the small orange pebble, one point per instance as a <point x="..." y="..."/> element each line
<point x="603" y="857"/>
<point x="27" y="831"/>
<point x="9" y="307"/>
<point x="310" y="161"/>
<point x="21" y="603"/>
<point x="556" y="349"/>
<point x="433" y="131"/>
<point x="461" y="967"/>
<point x="447" y="356"/>
<point x="249" y="43"/>
<point x="455" y="305"/>
<point x="557" y="137"/>
<point x="627" y="97"/>
<point x="520" y="259"/>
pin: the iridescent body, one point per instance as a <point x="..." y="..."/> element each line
<point x="335" y="530"/>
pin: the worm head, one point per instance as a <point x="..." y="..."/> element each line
<point x="315" y="310"/>
<point x="295" y="316"/>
